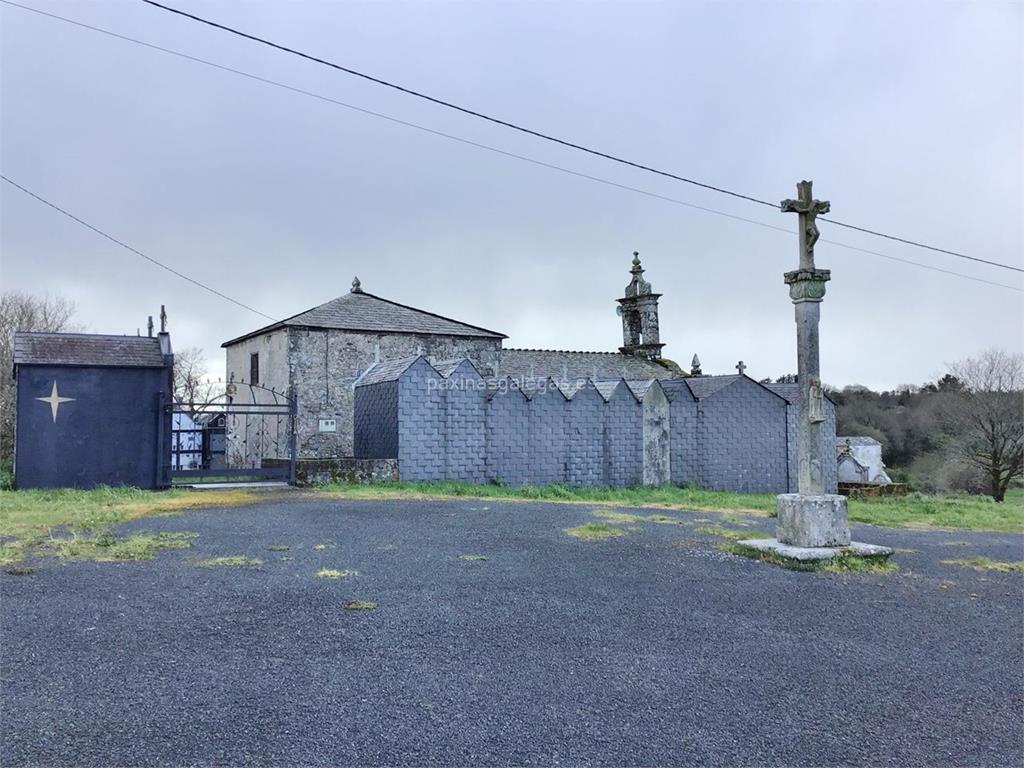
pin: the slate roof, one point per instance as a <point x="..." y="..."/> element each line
<point x="388" y="370"/>
<point x="541" y="363"/>
<point x="705" y="386"/>
<point x="87" y="349"/>
<point x="366" y="312"/>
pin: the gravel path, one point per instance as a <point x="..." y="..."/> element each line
<point x="653" y="648"/>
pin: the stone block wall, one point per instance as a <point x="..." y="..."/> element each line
<point x="683" y="437"/>
<point x="548" y="454"/>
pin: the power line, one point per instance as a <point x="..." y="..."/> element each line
<point x="498" y="151"/>
<point x="555" y="139"/>
<point x="150" y="259"/>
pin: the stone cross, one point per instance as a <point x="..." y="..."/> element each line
<point x="808" y="210"/>
<point x="741" y="367"/>
<point x="163" y="319"/>
<point x="807" y="289"/>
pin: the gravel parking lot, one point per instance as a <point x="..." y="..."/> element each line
<point x="650" y="648"/>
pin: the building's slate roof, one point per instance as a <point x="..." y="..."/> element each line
<point x="541" y="363"/>
<point x="366" y="312"/>
<point x="842" y="441"/>
<point x="388" y="370"/>
<point x="607" y="388"/>
<point x="87" y="349"/>
<point x="705" y="386"/>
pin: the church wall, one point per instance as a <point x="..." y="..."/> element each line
<point x="684" y="453"/>
<point x="741" y="440"/>
<point x="324" y="364"/>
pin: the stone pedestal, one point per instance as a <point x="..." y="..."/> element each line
<point x="812" y="520"/>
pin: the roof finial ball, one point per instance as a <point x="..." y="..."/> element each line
<point x="636" y="259"/>
<point x="357" y="287"/>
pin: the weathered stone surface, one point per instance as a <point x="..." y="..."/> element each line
<point x="346" y="470"/>
<point x="812" y="521"/>
<point x="811" y="554"/>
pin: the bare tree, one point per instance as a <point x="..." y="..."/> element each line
<point x="985" y="417"/>
<point x="192" y="383"/>
<point x="23" y="312"/>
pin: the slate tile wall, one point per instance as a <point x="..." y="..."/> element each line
<point x="465" y="426"/>
<point x="685" y="456"/>
<point x="741" y="440"/>
<point x="548" y="455"/>
<point x="508" y="437"/>
<point x="421" y="423"/>
<point x="586" y="437"/>
<point x="623" y="439"/>
<point x="375" y="415"/>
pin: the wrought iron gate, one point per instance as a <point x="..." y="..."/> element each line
<point x="246" y="435"/>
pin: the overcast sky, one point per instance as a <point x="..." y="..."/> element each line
<point x="908" y="117"/>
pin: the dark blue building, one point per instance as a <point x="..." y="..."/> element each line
<point x="92" y="410"/>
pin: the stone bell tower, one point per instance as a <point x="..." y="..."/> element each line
<point x="639" y="311"/>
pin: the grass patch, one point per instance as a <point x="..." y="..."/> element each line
<point x="359" y="605"/>
<point x="473" y="557"/>
<point x="36" y="521"/>
<point x="594" y="531"/>
<point x="216" y="562"/>
<point x="628" y="517"/>
<point x="331" y="573"/>
<point x="105" y="547"/>
<point x="671" y="497"/>
<point x="915" y="510"/>
<point x="842" y="563"/>
<point x="324" y="545"/>
<point x="982" y="563"/>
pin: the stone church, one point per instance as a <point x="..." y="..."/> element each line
<point x="375" y="379"/>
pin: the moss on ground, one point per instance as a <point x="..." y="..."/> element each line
<point x="981" y="563"/>
<point x="594" y="531"/>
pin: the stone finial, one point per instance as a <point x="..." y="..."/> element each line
<point x="163" y="319"/>
<point x="357" y="287"/>
<point x="636" y="260"/>
<point x="149" y="326"/>
<point x="741" y="367"/>
<point x="695" y="366"/>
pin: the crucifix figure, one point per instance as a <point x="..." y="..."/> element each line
<point x="741" y="367"/>
<point x="163" y="319"/>
<point x="808" y="210"/>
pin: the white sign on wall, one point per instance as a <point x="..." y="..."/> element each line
<point x="328" y="425"/>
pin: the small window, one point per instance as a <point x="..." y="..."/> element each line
<point x="254" y="368"/>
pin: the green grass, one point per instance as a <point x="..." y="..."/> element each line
<point x="473" y="557"/>
<point x="76" y="523"/>
<point x="986" y="564"/>
<point x="732" y="534"/>
<point x="627" y="517"/>
<point x="106" y="547"/>
<point x="594" y="531"/>
<point x="841" y="563"/>
<point x="230" y="560"/>
<point x="975" y="513"/>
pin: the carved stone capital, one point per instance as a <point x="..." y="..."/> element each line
<point x="807" y="284"/>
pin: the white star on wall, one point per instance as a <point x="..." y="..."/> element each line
<point x="55" y="400"/>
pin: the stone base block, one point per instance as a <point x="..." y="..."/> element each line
<point x="812" y="521"/>
<point x="810" y="554"/>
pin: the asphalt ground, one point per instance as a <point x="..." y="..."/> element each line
<point x="652" y="648"/>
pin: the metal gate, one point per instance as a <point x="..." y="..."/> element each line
<point x="246" y="435"/>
